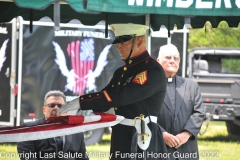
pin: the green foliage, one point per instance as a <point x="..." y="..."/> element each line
<point x="233" y="65"/>
<point x="223" y="36"/>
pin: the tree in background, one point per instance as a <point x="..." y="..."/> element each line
<point x="223" y="36"/>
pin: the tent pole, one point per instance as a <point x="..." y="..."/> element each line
<point x="148" y="36"/>
<point x="56" y="15"/>
<point x="185" y="41"/>
<point x="184" y="61"/>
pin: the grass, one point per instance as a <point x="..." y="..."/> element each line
<point x="215" y="144"/>
<point x="100" y="151"/>
<point x="8" y="152"/>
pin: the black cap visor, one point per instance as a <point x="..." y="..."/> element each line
<point x="122" y="39"/>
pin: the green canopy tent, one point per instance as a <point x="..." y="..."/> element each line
<point x="155" y="13"/>
<point x="199" y="11"/>
<point x="161" y="12"/>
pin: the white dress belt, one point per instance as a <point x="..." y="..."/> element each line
<point x="137" y="124"/>
<point x="129" y="122"/>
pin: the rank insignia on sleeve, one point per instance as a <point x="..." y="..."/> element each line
<point x="140" y="78"/>
<point x="107" y="96"/>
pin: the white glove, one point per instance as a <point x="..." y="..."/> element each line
<point x="84" y="112"/>
<point x="72" y="105"/>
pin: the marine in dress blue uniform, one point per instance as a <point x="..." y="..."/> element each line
<point x="136" y="88"/>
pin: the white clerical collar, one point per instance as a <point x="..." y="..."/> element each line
<point x="169" y="79"/>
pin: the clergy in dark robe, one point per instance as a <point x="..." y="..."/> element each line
<point x="182" y="111"/>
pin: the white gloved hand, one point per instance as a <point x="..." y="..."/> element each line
<point x="85" y="112"/>
<point x="72" y="105"/>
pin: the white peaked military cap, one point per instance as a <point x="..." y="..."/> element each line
<point x="125" y="32"/>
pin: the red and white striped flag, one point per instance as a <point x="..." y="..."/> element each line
<point x="59" y="126"/>
<point x="82" y="57"/>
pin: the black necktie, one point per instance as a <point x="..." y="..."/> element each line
<point x="59" y="142"/>
<point x="171" y="90"/>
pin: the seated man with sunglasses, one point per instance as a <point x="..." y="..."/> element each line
<point x="58" y="147"/>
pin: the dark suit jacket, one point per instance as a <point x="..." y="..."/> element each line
<point x="188" y="115"/>
<point x="136" y="88"/>
<point x="46" y="148"/>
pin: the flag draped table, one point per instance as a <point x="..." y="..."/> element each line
<point x="59" y="126"/>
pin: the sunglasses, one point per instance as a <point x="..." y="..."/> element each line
<point x="52" y="105"/>
<point x="174" y="58"/>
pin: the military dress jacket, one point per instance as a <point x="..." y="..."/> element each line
<point x="187" y="116"/>
<point x="136" y="88"/>
<point x="45" y="149"/>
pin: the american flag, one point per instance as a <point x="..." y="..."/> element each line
<point x="59" y="126"/>
<point x="82" y="61"/>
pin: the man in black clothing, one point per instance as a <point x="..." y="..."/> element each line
<point x="137" y="88"/>
<point x="182" y="112"/>
<point x="70" y="147"/>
